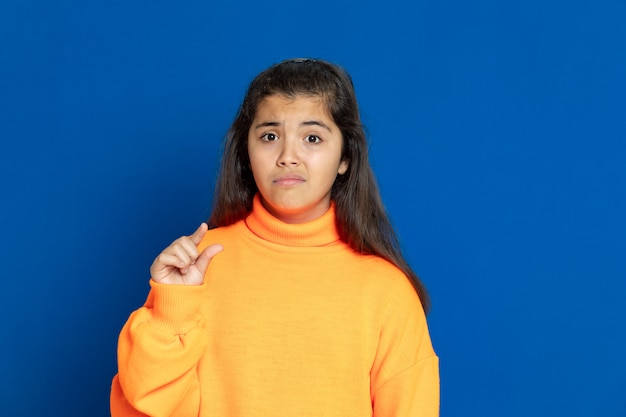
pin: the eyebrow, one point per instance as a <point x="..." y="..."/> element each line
<point x="305" y="123"/>
<point x="316" y="123"/>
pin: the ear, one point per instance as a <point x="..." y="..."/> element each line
<point x="343" y="167"/>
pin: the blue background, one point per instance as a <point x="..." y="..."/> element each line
<point x="497" y="134"/>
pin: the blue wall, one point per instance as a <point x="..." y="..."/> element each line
<point x="497" y="133"/>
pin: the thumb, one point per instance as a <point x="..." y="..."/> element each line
<point x="202" y="263"/>
<point x="197" y="236"/>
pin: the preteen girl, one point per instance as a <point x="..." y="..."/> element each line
<point x="295" y="299"/>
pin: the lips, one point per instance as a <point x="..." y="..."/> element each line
<point x="289" y="179"/>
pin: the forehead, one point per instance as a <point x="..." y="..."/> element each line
<point x="276" y="104"/>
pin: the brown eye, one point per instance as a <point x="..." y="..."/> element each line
<point x="313" y="139"/>
<point x="269" y="137"/>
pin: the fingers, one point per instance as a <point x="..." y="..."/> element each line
<point x="181" y="261"/>
<point x="186" y="252"/>
<point x="197" y="236"/>
<point x="181" y="254"/>
<point x="185" y="248"/>
<point x="202" y="263"/>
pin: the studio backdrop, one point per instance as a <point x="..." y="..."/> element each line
<point x="497" y="135"/>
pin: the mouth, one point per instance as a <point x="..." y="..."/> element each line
<point x="289" y="179"/>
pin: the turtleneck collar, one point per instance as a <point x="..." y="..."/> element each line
<point x="319" y="232"/>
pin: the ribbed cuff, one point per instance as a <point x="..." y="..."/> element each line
<point x="177" y="307"/>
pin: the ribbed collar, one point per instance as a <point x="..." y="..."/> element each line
<point x="319" y="232"/>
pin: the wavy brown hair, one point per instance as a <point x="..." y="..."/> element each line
<point x="362" y="220"/>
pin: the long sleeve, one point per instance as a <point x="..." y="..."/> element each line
<point x="413" y="392"/>
<point x="289" y="322"/>
<point x="405" y="375"/>
<point x="158" y="353"/>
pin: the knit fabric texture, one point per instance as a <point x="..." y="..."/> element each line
<point x="290" y="321"/>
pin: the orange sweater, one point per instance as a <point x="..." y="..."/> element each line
<point x="289" y="322"/>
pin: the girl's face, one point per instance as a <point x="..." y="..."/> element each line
<point x="295" y="155"/>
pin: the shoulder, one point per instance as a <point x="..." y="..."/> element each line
<point x="382" y="271"/>
<point x="398" y="314"/>
<point x="401" y="313"/>
<point x="384" y="280"/>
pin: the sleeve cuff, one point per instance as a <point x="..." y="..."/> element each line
<point x="176" y="308"/>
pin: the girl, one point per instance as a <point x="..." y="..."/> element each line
<point x="297" y="301"/>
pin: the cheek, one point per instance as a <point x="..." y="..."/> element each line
<point x="254" y="167"/>
<point x="254" y="158"/>
<point x="260" y="165"/>
<point x="329" y="173"/>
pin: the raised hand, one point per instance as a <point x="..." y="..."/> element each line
<point x="181" y="263"/>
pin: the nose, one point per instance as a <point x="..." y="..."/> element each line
<point x="288" y="154"/>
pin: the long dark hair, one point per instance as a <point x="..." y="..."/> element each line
<point x="362" y="220"/>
